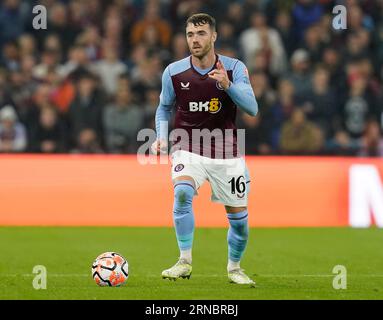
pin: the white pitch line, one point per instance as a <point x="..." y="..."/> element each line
<point x="52" y="275"/>
<point x="68" y="275"/>
<point x="289" y="275"/>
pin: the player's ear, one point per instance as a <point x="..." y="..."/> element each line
<point x="214" y="37"/>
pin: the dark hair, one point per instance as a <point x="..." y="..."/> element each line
<point x="200" y="19"/>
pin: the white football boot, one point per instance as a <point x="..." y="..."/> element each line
<point x="238" y="276"/>
<point x="182" y="269"/>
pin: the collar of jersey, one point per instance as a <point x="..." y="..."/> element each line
<point x="206" y="75"/>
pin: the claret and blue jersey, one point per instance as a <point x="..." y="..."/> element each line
<point x="200" y="102"/>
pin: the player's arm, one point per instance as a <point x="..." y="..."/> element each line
<point x="240" y="90"/>
<point x="163" y="112"/>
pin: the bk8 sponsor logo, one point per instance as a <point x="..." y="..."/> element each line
<point x="212" y="106"/>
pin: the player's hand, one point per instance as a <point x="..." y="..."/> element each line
<point x="159" y="146"/>
<point x="220" y="74"/>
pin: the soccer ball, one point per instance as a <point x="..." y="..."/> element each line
<point x="110" y="269"/>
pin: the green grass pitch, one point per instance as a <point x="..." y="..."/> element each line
<point x="287" y="263"/>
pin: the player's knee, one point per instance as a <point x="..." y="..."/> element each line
<point x="183" y="197"/>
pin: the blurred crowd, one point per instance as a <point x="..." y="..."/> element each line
<point x="92" y="79"/>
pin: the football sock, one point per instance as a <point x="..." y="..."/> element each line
<point x="186" y="255"/>
<point x="237" y="237"/>
<point x="183" y="217"/>
<point x="231" y="265"/>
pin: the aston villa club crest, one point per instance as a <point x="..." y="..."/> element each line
<point x="179" y="167"/>
<point x="218" y="85"/>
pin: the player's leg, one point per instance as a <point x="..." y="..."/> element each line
<point x="187" y="177"/>
<point x="237" y="235"/>
<point x="237" y="238"/>
<point x="183" y="218"/>
<point x="230" y="184"/>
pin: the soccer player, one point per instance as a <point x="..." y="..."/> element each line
<point x="205" y="89"/>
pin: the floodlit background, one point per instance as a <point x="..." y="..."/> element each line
<point x="90" y="81"/>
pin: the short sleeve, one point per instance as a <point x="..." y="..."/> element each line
<point x="167" y="96"/>
<point x="240" y="73"/>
